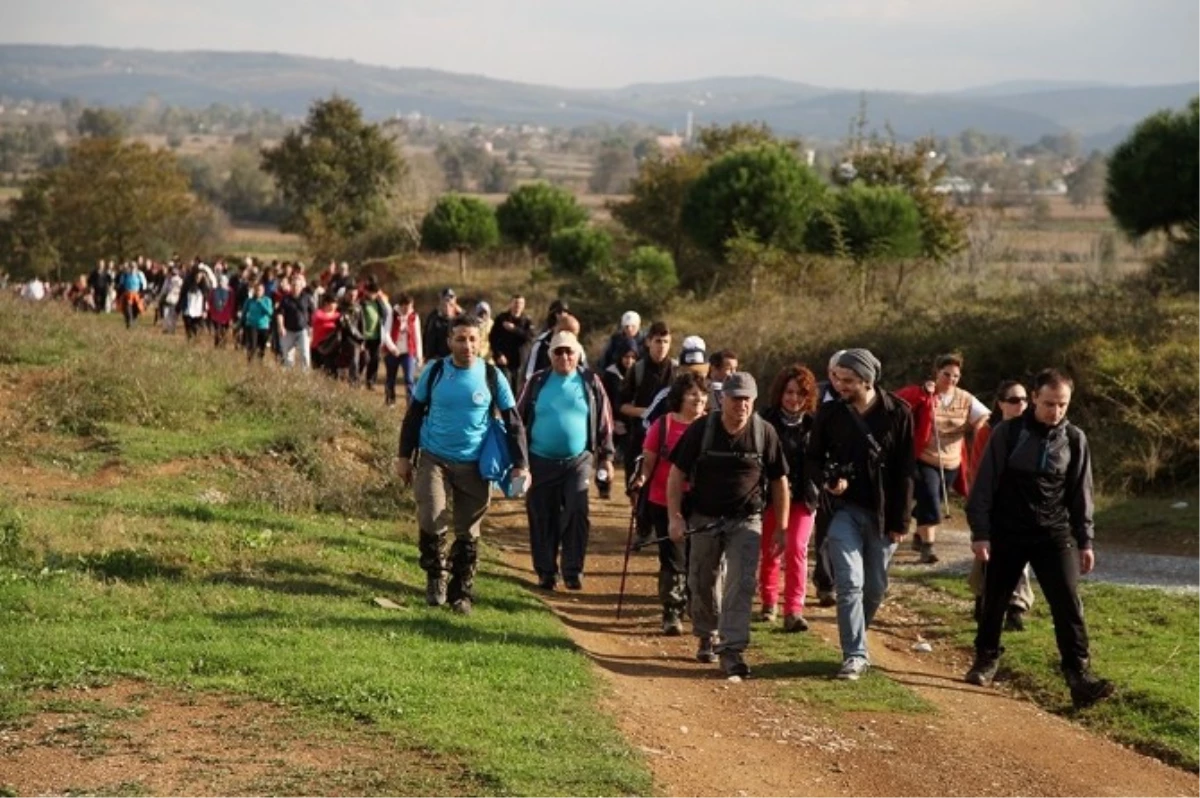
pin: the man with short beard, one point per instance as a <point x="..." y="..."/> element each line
<point x="861" y="453"/>
<point x="1031" y="502"/>
<point x="510" y="334"/>
<point x="447" y="419"/>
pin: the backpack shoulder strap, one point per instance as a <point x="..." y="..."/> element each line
<point x="639" y="373"/>
<point x="435" y="374"/>
<point x="493" y="383"/>
<point x="759" y="432"/>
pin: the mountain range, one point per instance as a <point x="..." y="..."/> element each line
<point x="1025" y="110"/>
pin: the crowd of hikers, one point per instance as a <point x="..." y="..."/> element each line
<point x="731" y="488"/>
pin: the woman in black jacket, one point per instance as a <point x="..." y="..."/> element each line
<point x="792" y="403"/>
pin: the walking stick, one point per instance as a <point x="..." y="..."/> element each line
<point x="628" y="550"/>
<point x="711" y="526"/>
<point x="937" y="440"/>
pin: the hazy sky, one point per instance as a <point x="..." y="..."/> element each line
<point x="914" y="45"/>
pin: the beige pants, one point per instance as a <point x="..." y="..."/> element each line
<point x="1022" y="597"/>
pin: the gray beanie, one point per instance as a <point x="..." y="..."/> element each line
<point x="862" y="363"/>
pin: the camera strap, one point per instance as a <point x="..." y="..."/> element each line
<point x="873" y="447"/>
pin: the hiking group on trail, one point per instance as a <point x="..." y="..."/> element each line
<point x="730" y="495"/>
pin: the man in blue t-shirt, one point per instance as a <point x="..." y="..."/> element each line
<point x="446" y="422"/>
<point x="566" y="410"/>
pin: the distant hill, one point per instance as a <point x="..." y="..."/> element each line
<point x="287" y="83"/>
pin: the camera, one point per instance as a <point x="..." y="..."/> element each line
<point x="834" y="471"/>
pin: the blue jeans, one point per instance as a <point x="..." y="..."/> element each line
<point x="859" y="554"/>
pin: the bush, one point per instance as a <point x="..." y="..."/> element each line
<point x="580" y="249"/>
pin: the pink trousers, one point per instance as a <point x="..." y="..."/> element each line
<point x="794" y="561"/>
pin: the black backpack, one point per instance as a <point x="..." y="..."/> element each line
<point x="758" y="432"/>
<point x="491" y="374"/>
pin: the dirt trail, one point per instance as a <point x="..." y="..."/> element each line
<point x="704" y="735"/>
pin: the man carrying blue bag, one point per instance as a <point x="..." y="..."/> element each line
<point x="445" y="426"/>
<point x="566" y="411"/>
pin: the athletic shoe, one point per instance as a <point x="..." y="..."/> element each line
<point x="573" y="582"/>
<point x="435" y="590"/>
<point x="983" y="672"/>
<point x="732" y="664"/>
<point x="672" y="624"/>
<point x="1014" y="620"/>
<point x="769" y="614"/>
<point x="794" y="623"/>
<point x="462" y="606"/>
<point x="706" y="652"/>
<point x="853" y="668"/>
<point x="1086" y="688"/>
<point x="826" y="598"/>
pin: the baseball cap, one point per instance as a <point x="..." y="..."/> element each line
<point x="482" y="308"/>
<point x="448" y="293"/>
<point x="631" y="319"/>
<point x="740" y="385"/>
<point x="565" y="338"/>
<point x="693" y="352"/>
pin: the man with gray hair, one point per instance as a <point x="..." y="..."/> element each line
<point x="861" y="453"/>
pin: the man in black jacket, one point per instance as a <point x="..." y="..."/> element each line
<point x="509" y="335"/>
<point x="1032" y="503"/>
<point x="861" y="451"/>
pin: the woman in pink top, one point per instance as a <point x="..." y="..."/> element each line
<point x="687" y="401"/>
<point x="324" y="334"/>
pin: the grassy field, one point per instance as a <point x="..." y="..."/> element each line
<point x="1144" y="640"/>
<point x="172" y="516"/>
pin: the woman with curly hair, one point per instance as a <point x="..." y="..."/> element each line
<point x="792" y="406"/>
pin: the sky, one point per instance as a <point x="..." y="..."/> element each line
<point x="904" y="45"/>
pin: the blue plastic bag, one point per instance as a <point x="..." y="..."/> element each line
<point x="495" y="462"/>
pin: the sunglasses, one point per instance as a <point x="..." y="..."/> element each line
<point x="1015" y="400"/>
<point x="563" y="351"/>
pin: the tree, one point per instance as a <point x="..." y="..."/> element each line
<point x="103" y="123"/>
<point x="580" y="249"/>
<point x="1086" y="184"/>
<point x="760" y="190"/>
<point x="867" y="224"/>
<point x="249" y="193"/>
<point x="335" y="174"/>
<point x="459" y="224"/>
<point x="25" y="237"/>
<point x="615" y="166"/>
<point x="1152" y="175"/>
<point x="654" y="210"/>
<point x="110" y="199"/>
<point x="535" y="212"/>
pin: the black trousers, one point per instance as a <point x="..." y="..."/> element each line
<point x="672" y="562"/>
<point x="1055" y="562"/>
<point x="256" y="342"/>
<point x="370" y="361"/>
<point x="822" y="569"/>
<point x="557" y="506"/>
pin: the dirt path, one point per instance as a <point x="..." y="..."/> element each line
<point x="704" y="735"/>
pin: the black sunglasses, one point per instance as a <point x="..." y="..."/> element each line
<point x="563" y="351"/>
<point x="1015" y="400"/>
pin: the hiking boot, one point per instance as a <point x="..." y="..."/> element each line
<point x="1014" y="620"/>
<point x="435" y="590"/>
<point x="794" y="623"/>
<point x="983" y="671"/>
<point x="1086" y="687"/>
<point x="706" y="652"/>
<point x="672" y="624"/>
<point x="732" y="664"/>
<point x="769" y="614"/>
<point x="826" y="598"/>
<point x="853" y="668"/>
<point x="547" y="582"/>
<point x="927" y="555"/>
<point x="573" y="582"/>
<point x="462" y="606"/>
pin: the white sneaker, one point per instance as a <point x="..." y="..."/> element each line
<point x="853" y="668"/>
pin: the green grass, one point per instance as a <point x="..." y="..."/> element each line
<point x="1150" y="524"/>
<point x="1144" y="640"/>
<point x="805" y="666"/>
<point x="252" y="519"/>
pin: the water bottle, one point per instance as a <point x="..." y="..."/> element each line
<point x="519" y="486"/>
<point x="602" y="475"/>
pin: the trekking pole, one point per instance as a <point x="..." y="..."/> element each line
<point x="711" y="526"/>
<point x="937" y="440"/>
<point x="628" y="550"/>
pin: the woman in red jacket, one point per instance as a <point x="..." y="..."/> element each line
<point x="943" y="415"/>
<point x="324" y="334"/>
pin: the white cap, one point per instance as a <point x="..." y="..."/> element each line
<point x="631" y="319"/>
<point x="694" y="342"/>
<point x="565" y="338"/>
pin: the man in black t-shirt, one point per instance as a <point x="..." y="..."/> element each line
<point x="735" y="464"/>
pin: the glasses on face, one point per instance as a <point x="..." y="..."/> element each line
<point x="1015" y="400"/>
<point x="563" y="351"/>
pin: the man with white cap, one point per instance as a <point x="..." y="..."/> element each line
<point x="569" y="421"/>
<point x="734" y="464"/>
<point x="631" y="330"/>
<point x="861" y="453"/>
